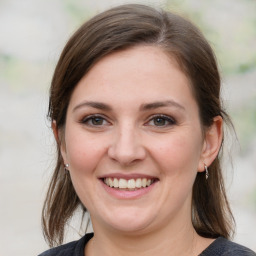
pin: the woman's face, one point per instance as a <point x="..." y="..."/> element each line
<point x="133" y="141"/>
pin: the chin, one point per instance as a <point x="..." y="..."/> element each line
<point x="130" y="229"/>
<point x="127" y="221"/>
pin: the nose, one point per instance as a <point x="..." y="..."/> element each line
<point x="127" y="147"/>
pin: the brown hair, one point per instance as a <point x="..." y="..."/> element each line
<point x="120" y="28"/>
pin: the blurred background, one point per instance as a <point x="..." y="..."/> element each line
<point x="32" y="35"/>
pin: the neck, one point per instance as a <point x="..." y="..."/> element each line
<point x="182" y="240"/>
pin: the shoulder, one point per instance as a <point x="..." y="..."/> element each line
<point x="224" y="247"/>
<point x="66" y="249"/>
<point x="75" y="248"/>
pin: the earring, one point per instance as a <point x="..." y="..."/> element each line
<point x="66" y="167"/>
<point x="206" y="172"/>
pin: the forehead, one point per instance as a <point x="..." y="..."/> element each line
<point x="138" y="54"/>
<point x="141" y="73"/>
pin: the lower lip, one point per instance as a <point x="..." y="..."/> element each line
<point x="126" y="194"/>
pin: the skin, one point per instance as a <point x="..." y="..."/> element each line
<point x="134" y="136"/>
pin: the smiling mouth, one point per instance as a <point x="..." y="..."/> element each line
<point x="131" y="184"/>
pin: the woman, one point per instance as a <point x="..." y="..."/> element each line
<point x="136" y="113"/>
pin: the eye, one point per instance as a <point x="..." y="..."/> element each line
<point x="94" y="120"/>
<point x="161" y="121"/>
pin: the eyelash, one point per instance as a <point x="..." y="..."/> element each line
<point x="171" y="121"/>
<point x="89" y="119"/>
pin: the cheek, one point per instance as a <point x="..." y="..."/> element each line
<point x="83" y="152"/>
<point x="179" y="153"/>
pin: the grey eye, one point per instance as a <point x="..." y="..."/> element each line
<point x="93" y="120"/>
<point x="159" y="121"/>
<point x="97" y="120"/>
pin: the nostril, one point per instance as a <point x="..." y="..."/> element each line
<point x="126" y="153"/>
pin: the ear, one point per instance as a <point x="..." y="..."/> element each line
<point x="59" y="137"/>
<point x="212" y="143"/>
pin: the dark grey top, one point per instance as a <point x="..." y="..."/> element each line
<point x="220" y="247"/>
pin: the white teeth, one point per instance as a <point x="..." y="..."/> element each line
<point x="122" y="183"/>
<point x="131" y="183"/>
<point x="144" y="182"/>
<point x="110" y="183"/>
<point x="138" y="183"/>
<point x="115" y="183"/>
<point x="128" y="184"/>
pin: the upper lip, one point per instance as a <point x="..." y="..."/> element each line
<point x="127" y="176"/>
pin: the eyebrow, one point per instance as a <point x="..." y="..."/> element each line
<point x="93" y="104"/>
<point x="144" y="107"/>
<point x="160" y="104"/>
